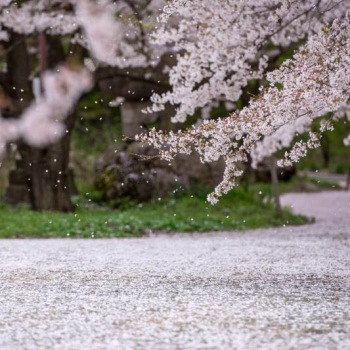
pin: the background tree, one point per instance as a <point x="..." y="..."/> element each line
<point x="39" y="35"/>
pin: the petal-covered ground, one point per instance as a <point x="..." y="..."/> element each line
<point x="286" y="288"/>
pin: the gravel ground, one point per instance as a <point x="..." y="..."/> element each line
<point x="286" y="288"/>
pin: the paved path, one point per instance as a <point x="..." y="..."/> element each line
<point x="286" y="288"/>
<point x="341" y="179"/>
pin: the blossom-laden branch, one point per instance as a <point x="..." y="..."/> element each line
<point x="33" y="16"/>
<point x="43" y="122"/>
<point x="222" y="44"/>
<point x="315" y="82"/>
<point x="108" y="29"/>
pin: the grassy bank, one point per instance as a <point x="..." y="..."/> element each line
<point x="240" y="209"/>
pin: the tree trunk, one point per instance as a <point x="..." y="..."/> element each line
<point x="48" y="178"/>
<point x="347" y="183"/>
<point x="275" y="188"/>
<point x="45" y="172"/>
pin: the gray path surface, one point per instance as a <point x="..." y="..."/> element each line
<point x="286" y="288"/>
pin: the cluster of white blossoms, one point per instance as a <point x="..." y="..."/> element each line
<point x="315" y="82"/>
<point x="118" y="33"/>
<point x="102" y="32"/>
<point x="43" y="121"/>
<point x="222" y="44"/>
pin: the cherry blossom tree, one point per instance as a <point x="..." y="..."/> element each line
<point x="228" y="43"/>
